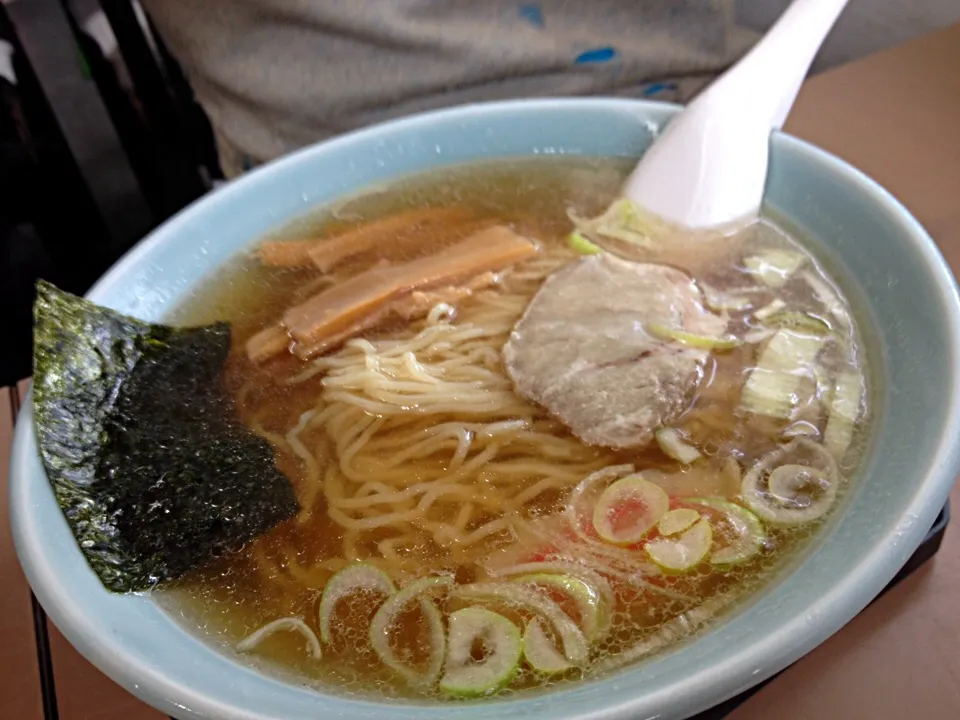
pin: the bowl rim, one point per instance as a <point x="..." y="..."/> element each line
<point x="796" y="637"/>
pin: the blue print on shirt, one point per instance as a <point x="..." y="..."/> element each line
<point x="659" y="87"/>
<point x="596" y="55"/>
<point x="532" y="13"/>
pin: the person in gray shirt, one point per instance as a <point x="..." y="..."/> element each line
<point x="275" y="75"/>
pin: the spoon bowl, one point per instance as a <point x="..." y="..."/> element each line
<point x="709" y="167"/>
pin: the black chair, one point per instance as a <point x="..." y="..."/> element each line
<point x="96" y="166"/>
<point x="177" y="156"/>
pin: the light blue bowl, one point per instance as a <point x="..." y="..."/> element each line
<point x="905" y="290"/>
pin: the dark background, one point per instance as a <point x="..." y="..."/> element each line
<point x="95" y="151"/>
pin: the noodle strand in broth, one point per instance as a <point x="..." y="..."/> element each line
<point x="387" y="407"/>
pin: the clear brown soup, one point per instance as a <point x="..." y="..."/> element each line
<point x="422" y="412"/>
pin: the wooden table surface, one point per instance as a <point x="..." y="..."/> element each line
<point x="896" y="115"/>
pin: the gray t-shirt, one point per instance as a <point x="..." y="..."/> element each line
<point x="274" y="75"/>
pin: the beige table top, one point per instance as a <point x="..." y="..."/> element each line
<point x="895" y="115"/>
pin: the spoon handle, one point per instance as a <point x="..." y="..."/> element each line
<point x="781" y="59"/>
<point x="708" y="168"/>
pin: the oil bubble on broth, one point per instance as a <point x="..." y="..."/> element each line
<point x="415" y="457"/>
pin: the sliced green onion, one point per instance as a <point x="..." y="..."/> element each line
<point x="465" y="677"/>
<point x="782" y="491"/>
<point x="385" y="617"/>
<point x="574" y="643"/>
<point x="581" y="498"/>
<point x="772" y="308"/>
<point x="590" y="605"/>
<point x="774" y="383"/>
<point x="684" y="552"/>
<point x="621" y="221"/>
<point x="676" y="521"/>
<point x="701" y="342"/>
<point x="575" y="569"/>
<point x="844" y="411"/>
<point x="774" y="267"/>
<point x="540" y="651"/>
<point x="748" y="533"/>
<point x="671" y="442"/>
<point x="642" y="501"/>
<point x="789" y="487"/>
<point x="630" y="215"/>
<point x="579" y="243"/>
<point x="828" y="297"/>
<point x="283" y="624"/>
<point x="624" y="221"/>
<point x="624" y="235"/>
<point x="718" y="301"/>
<point x="801" y="428"/>
<point x="801" y="322"/>
<point x="354" y="578"/>
<point x="587" y="547"/>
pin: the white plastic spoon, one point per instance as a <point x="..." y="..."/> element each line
<point x="709" y="167"/>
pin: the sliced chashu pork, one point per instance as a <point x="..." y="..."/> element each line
<point x="582" y="350"/>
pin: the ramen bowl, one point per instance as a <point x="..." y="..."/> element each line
<point x="890" y="269"/>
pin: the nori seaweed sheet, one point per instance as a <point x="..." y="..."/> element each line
<point x="142" y="444"/>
